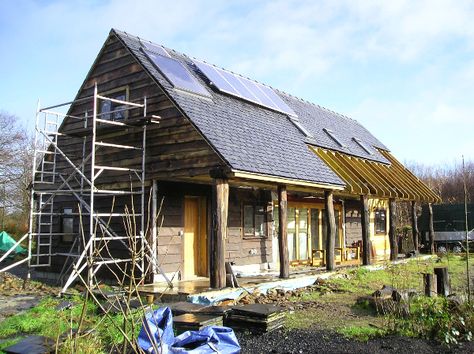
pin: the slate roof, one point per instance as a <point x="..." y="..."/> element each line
<point x="255" y="139"/>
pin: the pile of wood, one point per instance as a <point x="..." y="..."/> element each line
<point x="256" y="318"/>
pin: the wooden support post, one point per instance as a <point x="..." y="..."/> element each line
<point x="414" y="227"/>
<point x="331" y="230"/>
<point x="392" y="235"/>
<point x="442" y="281"/>
<point x="283" y="232"/>
<point x="220" y="202"/>
<point x="431" y="247"/>
<point x="428" y="284"/>
<point x="365" y="223"/>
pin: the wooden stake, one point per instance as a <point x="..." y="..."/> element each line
<point x="428" y="284"/>
<point x="283" y="232"/>
<point x="414" y="227"/>
<point x="392" y="235"/>
<point x="365" y="223"/>
<point x="431" y="230"/>
<point x="220" y="202"/>
<point x="331" y="230"/>
<point x="442" y="281"/>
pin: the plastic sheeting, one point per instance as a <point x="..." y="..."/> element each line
<point x="156" y="336"/>
<point x="233" y="294"/>
<point x="7" y="242"/>
<point x="211" y="339"/>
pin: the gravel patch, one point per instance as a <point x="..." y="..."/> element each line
<point x="320" y="341"/>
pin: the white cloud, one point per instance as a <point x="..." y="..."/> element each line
<point x="408" y="63"/>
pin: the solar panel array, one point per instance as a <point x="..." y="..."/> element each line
<point x="246" y="89"/>
<point x="176" y="73"/>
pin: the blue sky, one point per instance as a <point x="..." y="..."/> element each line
<point x="404" y="69"/>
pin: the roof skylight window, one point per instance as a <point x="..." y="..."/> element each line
<point x="300" y="127"/>
<point x="363" y="146"/>
<point x="333" y="136"/>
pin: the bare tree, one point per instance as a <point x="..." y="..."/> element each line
<point x="15" y="171"/>
<point x="446" y="180"/>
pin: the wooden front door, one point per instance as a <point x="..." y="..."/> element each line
<point x="195" y="238"/>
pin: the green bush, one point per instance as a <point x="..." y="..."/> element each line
<point x="436" y="318"/>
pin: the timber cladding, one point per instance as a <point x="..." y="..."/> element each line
<point x="174" y="148"/>
<point x="242" y="251"/>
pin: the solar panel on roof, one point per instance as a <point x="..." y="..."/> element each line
<point x="155" y="48"/>
<point x="261" y="96"/>
<point x="243" y="91"/>
<point x="177" y="74"/>
<point x="216" y="78"/>
<point x="282" y="106"/>
<point x="246" y="89"/>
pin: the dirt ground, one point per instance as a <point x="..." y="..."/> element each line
<point x="16" y="295"/>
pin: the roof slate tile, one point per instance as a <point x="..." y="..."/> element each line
<point x="255" y="139"/>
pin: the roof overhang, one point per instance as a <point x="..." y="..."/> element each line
<point x="282" y="180"/>
<point x="365" y="177"/>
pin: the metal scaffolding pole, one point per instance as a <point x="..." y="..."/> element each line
<point x="73" y="179"/>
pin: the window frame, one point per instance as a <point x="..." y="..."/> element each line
<point x="114" y="93"/>
<point x="67" y="213"/>
<point x="255" y="206"/>
<point x="377" y="221"/>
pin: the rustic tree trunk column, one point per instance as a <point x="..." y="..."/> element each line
<point x="365" y="223"/>
<point x="392" y="235"/>
<point x="331" y="230"/>
<point x="220" y="202"/>
<point x="431" y="247"/>
<point x="283" y="232"/>
<point x="414" y="227"/>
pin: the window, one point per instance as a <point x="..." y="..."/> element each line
<point x="67" y="225"/>
<point x="333" y="136"/>
<point x="112" y="110"/>
<point x="254" y="221"/>
<point x="300" y="127"/>
<point x="380" y="221"/>
<point x="363" y="146"/>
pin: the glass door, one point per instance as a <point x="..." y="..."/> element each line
<point x="303" y="223"/>
<point x="291" y="229"/>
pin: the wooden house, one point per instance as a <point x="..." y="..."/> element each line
<point x="227" y="159"/>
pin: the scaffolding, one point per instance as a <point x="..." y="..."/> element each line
<point x="88" y="179"/>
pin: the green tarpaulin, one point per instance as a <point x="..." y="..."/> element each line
<point x="6" y="242"/>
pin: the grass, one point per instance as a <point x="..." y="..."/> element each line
<point x="341" y="312"/>
<point x="45" y="320"/>
<point x="333" y="310"/>
<point x="361" y="333"/>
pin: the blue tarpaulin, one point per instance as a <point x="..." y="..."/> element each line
<point x="156" y="336"/>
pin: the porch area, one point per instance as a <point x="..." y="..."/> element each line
<point x="198" y="290"/>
